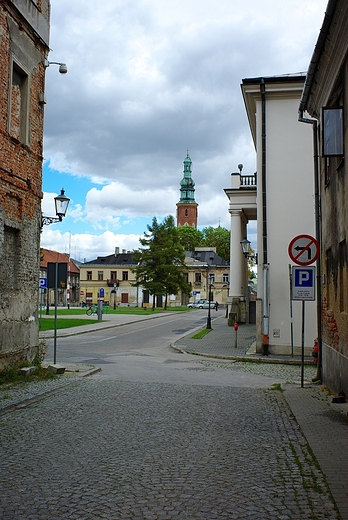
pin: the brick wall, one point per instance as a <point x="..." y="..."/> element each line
<point x="22" y="77"/>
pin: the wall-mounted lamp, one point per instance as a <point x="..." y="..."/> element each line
<point x="63" y="69"/>
<point x="245" y="243"/>
<point x="61" y="203"/>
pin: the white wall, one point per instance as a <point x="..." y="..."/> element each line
<point x="290" y="210"/>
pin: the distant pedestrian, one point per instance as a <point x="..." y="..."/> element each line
<point x="216" y="305"/>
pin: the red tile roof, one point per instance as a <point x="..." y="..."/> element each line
<point x="48" y="255"/>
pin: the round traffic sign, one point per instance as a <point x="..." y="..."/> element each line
<point x="303" y="250"/>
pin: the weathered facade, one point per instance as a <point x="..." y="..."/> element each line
<point x="24" y="39"/>
<point x="324" y="104"/>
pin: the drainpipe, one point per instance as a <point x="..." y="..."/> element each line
<point x="317" y="210"/>
<point x="265" y="302"/>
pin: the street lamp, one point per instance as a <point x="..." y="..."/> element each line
<point x="61" y="204"/>
<point x="245" y="244"/>
<point x="115" y="288"/>
<point x="209" y="302"/>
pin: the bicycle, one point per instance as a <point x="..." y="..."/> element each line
<point x="93" y="309"/>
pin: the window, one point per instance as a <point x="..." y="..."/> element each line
<point x="113" y="275"/>
<point x="124" y="276"/>
<point x="225" y="278"/>
<point x="186" y="213"/>
<point x="186" y="277"/>
<point x="198" y="277"/>
<point x="211" y="278"/>
<point x="332" y="130"/>
<point x="124" y="297"/>
<point x="100" y="275"/>
<point x="19" y="106"/>
<point x="89" y="275"/>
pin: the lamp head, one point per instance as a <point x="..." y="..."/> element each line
<point x="245" y="246"/>
<point x="61" y="203"/>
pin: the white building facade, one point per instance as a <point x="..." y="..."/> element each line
<point x="282" y="201"/>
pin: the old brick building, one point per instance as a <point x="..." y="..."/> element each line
<point x="24" y="38"/>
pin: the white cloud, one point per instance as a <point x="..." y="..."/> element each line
<point x="147" y="80"/>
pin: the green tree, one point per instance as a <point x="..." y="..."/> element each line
<point x="218" y="237"/>
<point x="161" y="260"/>
<point x="190" y="237"/>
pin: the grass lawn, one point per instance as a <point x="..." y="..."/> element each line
<point x="48" y="323"/>
<point x="75" y="311"/>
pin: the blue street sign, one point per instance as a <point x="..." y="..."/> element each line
<point x="43" y="283"/>
<point x="303" y="283"/>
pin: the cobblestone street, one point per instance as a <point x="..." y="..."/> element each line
<point x="100" y="448"/>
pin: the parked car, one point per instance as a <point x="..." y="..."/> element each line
<point x="201" y="304"/>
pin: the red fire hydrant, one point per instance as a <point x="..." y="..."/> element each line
<point x="236" y="326"/>
<point x="315" y="351"/>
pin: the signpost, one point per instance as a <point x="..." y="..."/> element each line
<point x="303" y="251"/>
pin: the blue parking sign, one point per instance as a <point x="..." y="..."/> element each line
<point x="43" y="283"/>
<point x="303" y="283"/>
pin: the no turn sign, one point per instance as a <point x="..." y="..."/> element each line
<point x="303" y="250"/>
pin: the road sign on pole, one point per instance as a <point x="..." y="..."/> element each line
<point x="303" y="250"/>
<point x="43" y="283"/>
<point x="303" y="283"/>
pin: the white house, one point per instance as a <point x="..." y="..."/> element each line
<point x="281" y="198"/>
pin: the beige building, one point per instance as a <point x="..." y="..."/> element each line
<point x="207" y="268"/>
<point x="110" y="278"/>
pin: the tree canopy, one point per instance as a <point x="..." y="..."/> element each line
<point x="219" y="237"/>
<point x="160" y="260"/>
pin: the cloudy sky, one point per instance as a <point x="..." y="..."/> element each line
<point x="148" y="80"/>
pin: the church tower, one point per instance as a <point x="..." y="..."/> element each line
<point x="186" y="213"/>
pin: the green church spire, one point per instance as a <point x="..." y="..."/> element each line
<point x="187" y="185"/>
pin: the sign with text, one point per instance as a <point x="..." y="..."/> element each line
<point x="303" y="283"/>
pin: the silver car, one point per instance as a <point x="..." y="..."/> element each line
<point x="201" y="304"/>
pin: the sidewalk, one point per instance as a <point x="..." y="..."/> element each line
<point x="324" y="424"/>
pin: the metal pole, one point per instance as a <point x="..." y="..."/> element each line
<point x="209" y="315"/>
<point x="302" y="343"/>
<point x="55" y="314"/>
<point x="291" y="318"/>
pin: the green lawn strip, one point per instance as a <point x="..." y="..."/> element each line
<point x="75" y="311"/>
<point x="48" y="323"/>
<point x="201" y="334"/>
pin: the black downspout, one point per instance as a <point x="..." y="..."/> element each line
<point x="265" y="324"/>
<point x="317" y="210"/>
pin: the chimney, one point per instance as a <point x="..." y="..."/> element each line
<point x="117" y="251"/>
<point x="124" y="251"/>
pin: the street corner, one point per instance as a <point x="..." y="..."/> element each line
<point x="74" y="369"/>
